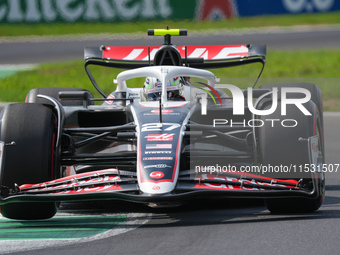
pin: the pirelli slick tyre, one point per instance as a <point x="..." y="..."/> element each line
<point x="286" y="145"/>
<point x="316" y="95"/>
<point x="32" y="96"/>
<point x="32" y="127"/>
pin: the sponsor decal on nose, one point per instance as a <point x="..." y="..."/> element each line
<point x="157" y="175"/>
<point x="160" y="137"/>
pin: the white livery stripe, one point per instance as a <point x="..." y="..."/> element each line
<point x="225" y="52"/>
<point x="134" y="54"/>
<point x="197" y="53"/>
<point x="152" y="55"/>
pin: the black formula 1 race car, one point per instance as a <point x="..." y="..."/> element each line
<point x="181" y="134"/>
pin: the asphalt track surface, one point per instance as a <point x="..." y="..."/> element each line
<point x="47" y="49"/>
<point x="209" y="226"/>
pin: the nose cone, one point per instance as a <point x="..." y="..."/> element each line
<point x="157" y="187"/>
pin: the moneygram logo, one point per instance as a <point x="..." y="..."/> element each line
<point x="239" y="100"/>
<point x="157" y="175"/>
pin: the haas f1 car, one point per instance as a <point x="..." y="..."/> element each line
<point x="181" y="134"/>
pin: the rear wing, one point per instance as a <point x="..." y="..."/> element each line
<point x="201" y="56"/>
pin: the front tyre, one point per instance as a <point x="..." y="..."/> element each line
<point x="288" y="146"/>
<point x="32" y="160"/>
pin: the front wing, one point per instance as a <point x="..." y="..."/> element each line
<point x="122" y="185"/>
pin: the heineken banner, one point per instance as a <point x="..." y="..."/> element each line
<point x="48" y="11"/>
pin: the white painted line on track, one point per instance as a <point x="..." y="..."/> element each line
<point x="133" y="221"/>
<point x="8" y="70"/>
<point x="18" y="67"/>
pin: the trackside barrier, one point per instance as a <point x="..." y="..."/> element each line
<point x="68" y="11"/>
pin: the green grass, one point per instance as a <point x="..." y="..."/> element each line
<point x="248" y="22"/>
<point x="281" y="66"/>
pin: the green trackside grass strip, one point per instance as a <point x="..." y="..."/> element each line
<point x="60" y="227"/>
<point x="6" y="73"/>
<point x="8" y="70"/>
<point x="125" y="27"/>
<point x="318" y="66"/>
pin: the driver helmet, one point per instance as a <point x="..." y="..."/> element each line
<point x="153" y="88"/>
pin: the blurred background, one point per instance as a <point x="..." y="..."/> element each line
<point x="75" y="11"/>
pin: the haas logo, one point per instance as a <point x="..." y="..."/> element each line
<point x="157" y="175"/>
<point x="159" y="137"/>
